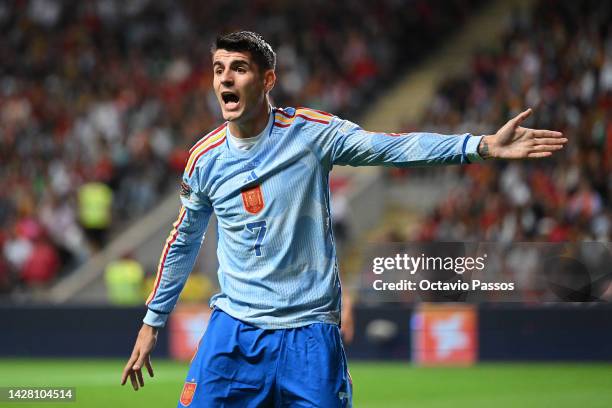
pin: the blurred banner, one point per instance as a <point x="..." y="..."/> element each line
<point x="444" y="334"/>
<point x="439" y="333"/>
<point x="187" y="325"/>
<point x="487" y="272"/>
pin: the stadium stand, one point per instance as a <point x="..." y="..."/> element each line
<point x="114" y="92"/>
<point x="557" y="60"/>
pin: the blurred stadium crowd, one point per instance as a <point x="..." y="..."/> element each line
<point x="100" y="100"/>
<point x="557" y="60"/>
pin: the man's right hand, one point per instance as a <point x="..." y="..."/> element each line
<point x="141" y="355"/>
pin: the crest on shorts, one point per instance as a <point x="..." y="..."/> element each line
<point x="187" y="394"/>
<point x="252" y="199"/>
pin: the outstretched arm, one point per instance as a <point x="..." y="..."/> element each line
<point x="349" y="144"/>
<point x="513" y="141"/>
<point x="345" y="143"/>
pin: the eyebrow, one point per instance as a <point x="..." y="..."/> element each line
<point x="232" y="63"/>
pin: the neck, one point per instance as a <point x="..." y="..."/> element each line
<point x="253" y="126"/>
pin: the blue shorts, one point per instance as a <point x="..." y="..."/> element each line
<point x="239" y="365"/>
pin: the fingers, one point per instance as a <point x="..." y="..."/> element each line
<point x="140" y="356"/>
<point x="537" y="155"/>
<point x="124" y="375"/>
<point x="541" y="133"/>
<point x="546" y="141"/>
<point x="133" y="380"/>
<point x="546" y="148"/>
<point x="550" y="141"/>
<point x="149" y="366"/>
<point x="140" y="362"/>
<point x="134" y="372"/>
<point x="137" y="368"/>
<point x="518" y="119"/>
<point x="139" y="377"/>
<point x="128" y="368"/>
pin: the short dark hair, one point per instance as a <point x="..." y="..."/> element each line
<point x="260" y="50"/>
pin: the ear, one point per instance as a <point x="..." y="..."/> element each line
<point x="269" y="80"/>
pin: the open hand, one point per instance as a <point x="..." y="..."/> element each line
<point x="513" y="141"/>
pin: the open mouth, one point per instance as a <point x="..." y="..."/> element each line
<point x="230" y="99"/>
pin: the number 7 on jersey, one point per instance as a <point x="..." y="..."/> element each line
<point x="259" y="228"/>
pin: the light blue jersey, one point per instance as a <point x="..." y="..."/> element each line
<point x="277" y="259"/>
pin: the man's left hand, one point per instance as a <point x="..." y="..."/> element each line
<point x="513" y="141"/>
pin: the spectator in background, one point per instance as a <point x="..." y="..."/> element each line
<point x="58" y="216"/>
<point x="124" y="278"/>
<point x="95" y="205"/>
<point x="556" y="59"/>
<point x="115" y="91"/>
<point x="33" y="258"/>
<point x="42" y="265"/>
<point x="17" y="249"/>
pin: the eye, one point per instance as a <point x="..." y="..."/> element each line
<point x="218" y="71"/>
<point x="240" y="70"/>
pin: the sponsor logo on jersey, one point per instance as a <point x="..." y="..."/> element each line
<point x="187" y="394"/>
<point x="252" y="199"/>
<point x="251" y="177"/>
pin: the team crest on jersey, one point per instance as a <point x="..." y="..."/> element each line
<point x="252" y="199"/>
<point x="188" y="392"/>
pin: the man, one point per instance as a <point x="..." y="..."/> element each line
<point x="273" y="338"/>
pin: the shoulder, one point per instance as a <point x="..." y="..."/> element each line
<point x="204" y="146"/>
<point x="286" y="117"/>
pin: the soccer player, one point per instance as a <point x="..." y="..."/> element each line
<point x="273" y="338"/>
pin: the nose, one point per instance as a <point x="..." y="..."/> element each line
<point x="226" y="78"/>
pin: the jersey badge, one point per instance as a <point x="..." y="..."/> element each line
<point x="252" y="199"/>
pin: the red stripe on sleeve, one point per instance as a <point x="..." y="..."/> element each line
<point x="318" y="111"/>
<point x="313" y="119"/>
<point x="163" y="261"/>
<point x="285" y="114"/>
